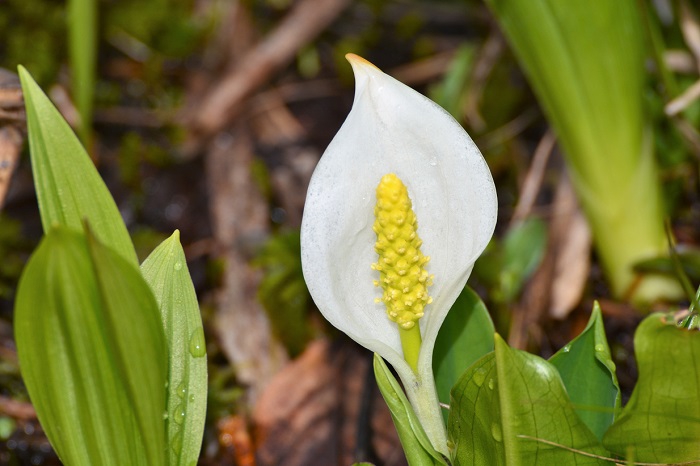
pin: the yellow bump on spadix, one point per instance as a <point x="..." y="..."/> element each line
<point x="401" y="264"/>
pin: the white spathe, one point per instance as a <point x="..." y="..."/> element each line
<point x="394" y="129"/>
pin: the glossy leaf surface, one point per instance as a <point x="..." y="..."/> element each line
<point x="661" y="421"/>
<point x="511" y="408"/>
<point x="165" y="270"/>
<point x="588" y="372"/>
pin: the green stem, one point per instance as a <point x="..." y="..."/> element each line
<point x="410" y="343"/>
<point x="422" y="394"/>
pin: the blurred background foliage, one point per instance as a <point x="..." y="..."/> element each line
<point x="157" y="58"/>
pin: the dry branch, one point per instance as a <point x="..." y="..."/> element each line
<point x="223" y="101"/>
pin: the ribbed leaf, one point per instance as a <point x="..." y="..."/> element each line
<point x="588" y="372"/>
<point x="165" y="270"/>
<point x="92" y="353"/>
<point x="585" y="61"/>
<point x="68" y="187"/>
<point x="661" y="421"/>
<point x="511" y="408"/>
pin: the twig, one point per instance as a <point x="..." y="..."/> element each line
<point x="302" y="24"/>
<point x="533" y="179"/>
<point x="691" y="30"/>
<point x="16" y="409"/>
<point x="680" y="103"/>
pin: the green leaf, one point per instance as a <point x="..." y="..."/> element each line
<point x="451" y="92"/>
<point x="588" y="372"/>
<point x="165" y="270"/>
<point x="415" y="442"/>
<point x="585" y="62"/>
<point x="92" y="352"/>
<point x="661" y="421"/>
<point x="465" y="336"/>
<point x="82" y="38"/>
<point x="511" y="408"/>
<point x="523" y="250"/>
<point x="68" y="187"/>
<point x="689" y="260"/>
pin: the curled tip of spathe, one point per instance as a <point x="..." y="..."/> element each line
<point x="358" y="61"/>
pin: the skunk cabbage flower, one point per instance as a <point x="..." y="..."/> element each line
<point x="400" y="170"/>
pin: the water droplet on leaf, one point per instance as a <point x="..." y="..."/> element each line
<point x="496" y="432"/>
<point x="179" y="414"/>
<point x="479" y="376"/>
<point x="198" y="346"/>
<point x="181" y="390"/>
<point x="176" y="444"/>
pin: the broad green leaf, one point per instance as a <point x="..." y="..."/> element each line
<point x="523" y="249"/>
<point x="511" y="408"/>
<point x="465" y="336"/>
<point x="82" y="38"/>
<point x="661" y="421"/>
<point x="588" y="372"/>
<point x="92" y="353"/>
<point x="416" y="445"/>
<point x="68" y="187"/>
<point x="585" y="62"/>
<point x="165" y="270"/>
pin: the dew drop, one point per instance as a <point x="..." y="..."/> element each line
<point x="479" y="376"/>
<point x="198" y="347"/>
<point x="496" y="432"/>
<point x="566" y="349"/>
<point x="191" y="398"/>
<point x="433" y="162"/>
<point x="181" y="390"/>
<point x="599" y="348"/>
<point x="179" y="414"/>
<point x="492" y="383"/>
<point x="176" y="444"/>
<point x="178" y="265"/>
<point x="165" y="415"/>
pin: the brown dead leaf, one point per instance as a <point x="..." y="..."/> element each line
<point x="235" y="439"/>
<point x="324" y="409"/>
<point x="571" y="239"/>
<point x="10" y="148"/>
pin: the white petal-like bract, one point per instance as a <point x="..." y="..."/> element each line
<point x="394" y="129"/>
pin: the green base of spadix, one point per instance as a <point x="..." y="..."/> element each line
<point x="410" y="343"/>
